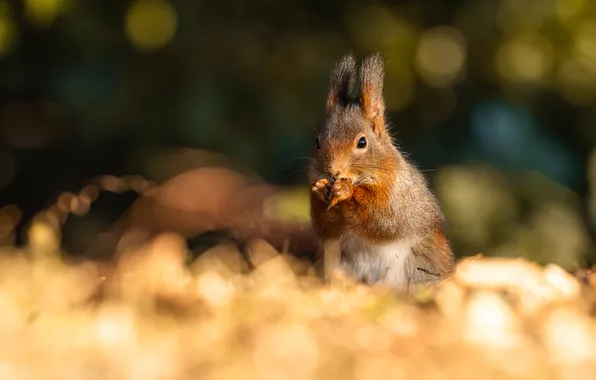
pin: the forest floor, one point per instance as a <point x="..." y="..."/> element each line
<point x="151" y="316"/>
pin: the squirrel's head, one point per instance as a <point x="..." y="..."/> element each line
<point x="354" y="141"/>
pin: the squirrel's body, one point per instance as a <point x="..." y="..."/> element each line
<point x="367" y="197"/>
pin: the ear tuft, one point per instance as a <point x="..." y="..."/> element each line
<point x="371" y="91"/>
<point x="343" y="78"/>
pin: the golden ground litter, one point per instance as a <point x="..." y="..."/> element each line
<point x="151" y="316"/>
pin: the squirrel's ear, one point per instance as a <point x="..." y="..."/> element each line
<point x="342" y="81"/>
<point x="371" y="91"/>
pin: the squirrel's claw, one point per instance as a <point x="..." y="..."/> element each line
<point x="322" y="188"/>
<point x="342" y="190"/>
<point x="334" y="201"/>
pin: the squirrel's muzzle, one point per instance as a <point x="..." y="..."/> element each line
<point x="334" y="174"/>
<point x="336" y="169"/>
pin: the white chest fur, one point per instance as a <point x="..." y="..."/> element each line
<point x="373" y="262"/>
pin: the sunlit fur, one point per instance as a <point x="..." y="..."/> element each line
<point x="390" y="227"/>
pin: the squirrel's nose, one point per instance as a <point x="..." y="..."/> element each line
<point x="334" y="173"/>
<point x="337" y="169"/>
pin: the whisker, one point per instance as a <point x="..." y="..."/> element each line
<point x="303" y="158"/>
<point x="285" y="173"/>
<point x="374" y="167"/>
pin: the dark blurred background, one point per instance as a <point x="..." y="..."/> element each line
<point x="495" y="100"/>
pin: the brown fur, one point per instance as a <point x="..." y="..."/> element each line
<point x="371" y="92"/>
<point x="328" y="224"/>
<point x="373" y="193"/>
<point x="433" y="257"/>
<point x="341" y="82"/>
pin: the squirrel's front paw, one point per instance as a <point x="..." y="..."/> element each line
<point x="342" y="190"/>
<point x="322" y="188"/>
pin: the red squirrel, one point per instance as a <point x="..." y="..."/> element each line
<point x="366" y="197"/>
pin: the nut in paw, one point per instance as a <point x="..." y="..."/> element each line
<point x="322" y="188"/>
<point x="341" y="191"/>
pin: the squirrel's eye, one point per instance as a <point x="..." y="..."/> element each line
<point x="318" y="145"/>
<point x="361" y="143"/>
